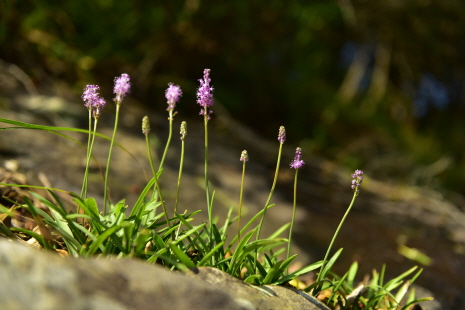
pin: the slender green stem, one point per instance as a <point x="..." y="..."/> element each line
<point x="88" y="155"/>
<point x="167" y="145"/>
<point x="240" y="203"/>
<point x="207" y="189"/>
<point x="278" y="163"/>
<point x="105" y="192"/>
<point x="149" y="154"/>
<point x="170" y="133"/>
<point x="183" y="132"/>
<point x="163" y="204"/>
<point x="293" y="216"/>
<point x="181" y="165"/>
<point x="320" y="275"/>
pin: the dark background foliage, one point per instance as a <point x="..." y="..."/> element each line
<point x="369" y="84"/>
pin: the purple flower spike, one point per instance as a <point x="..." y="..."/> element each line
<point x="93" y="102"/>
<point x="205" y="94"/>
<point x="357" y="181"/>
<point x="244" y="156"/>
<point x="98" y="107"/>
<point x="297" y="163"/>
<point x="90" y="95"/>
<point x="282" y="135"/>
<point x="122" y="86"/>
<point x="173" y="93"/>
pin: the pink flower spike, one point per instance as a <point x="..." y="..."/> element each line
<point x="122" y="86"/>
<point x="357" y="181"/>
<point x="205" y="94"/>
<point x="297" y="163"/>
<point x="93" y="102"/>
<point x="173" y="93"/>
<point x="90" y="95"/>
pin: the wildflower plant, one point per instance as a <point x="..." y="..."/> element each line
<point x="244" y="159"/>
<point x="172" y="94"/>
<point x="205" y="100"/>
<point x="143" y="231"/>
<point x="297" y="163"/>
<point x="183" y="132"/>
<point x="94" y="104"/>
<point x="121" y="89"/>
<point x="357" y="179"/>
<point x="281" y="139"/>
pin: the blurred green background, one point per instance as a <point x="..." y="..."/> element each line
<point x="372" y="84"/>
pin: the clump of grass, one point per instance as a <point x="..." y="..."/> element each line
<point x="146" y="232"/>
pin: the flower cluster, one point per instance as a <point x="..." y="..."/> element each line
<point x="205" y="94"/>
<point x="244" y="156"/>
<point x="297" y="163"/>
<point x="93" y="102"/>
<point x="173" y="93"/>
<point x="122" y="86"/>
<point x="282" y="135"/>
<point x="357" y="181"/>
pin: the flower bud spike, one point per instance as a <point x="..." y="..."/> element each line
<point x="183" y="130"/>
<point x="244" y="156"/>
<point x="145" y="125"/>
<point x="357" y="181"/>
<point x="282" y="135"/>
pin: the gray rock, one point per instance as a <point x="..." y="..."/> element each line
<point x="259" y="297"/>
<point x="33" y="279"/>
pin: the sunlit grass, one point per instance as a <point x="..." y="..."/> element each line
<point x="147" y="231"/>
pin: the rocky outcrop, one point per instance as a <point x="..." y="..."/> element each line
<point x="33" y="279"/>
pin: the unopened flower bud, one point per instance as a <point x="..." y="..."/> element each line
<point x="282" y="135"/>
<point x="183" y="130"/>
<point x="244" y="156"/>
<point x="145" y="125"/>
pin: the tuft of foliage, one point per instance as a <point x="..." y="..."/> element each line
<point x="147" y="231"/>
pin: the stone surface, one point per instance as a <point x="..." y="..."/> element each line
<point x="253" y="297"/>
<point x="33" y="279"/>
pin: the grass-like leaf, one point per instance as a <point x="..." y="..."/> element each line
<point x="203" y="261"/>
<point x="98" y="243"/>
<point x="183" y="258"/>
<point x="397" y="281"/>
<point x="299" y="272"/>
<point x="235" y="261"/>
<point x="32" y="234"/>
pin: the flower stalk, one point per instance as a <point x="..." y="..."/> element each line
<point x="121" y="89"/>
<point x="281" y="139"/>
<point x="244" y="158"/>
<point x="183" y="133"/>
<point x="173" y="94"/>
<point x="205" y="100"/>
<point x="94" y="103"/>
<point x="357" y="179"/>
<point x="297" y="163"/>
